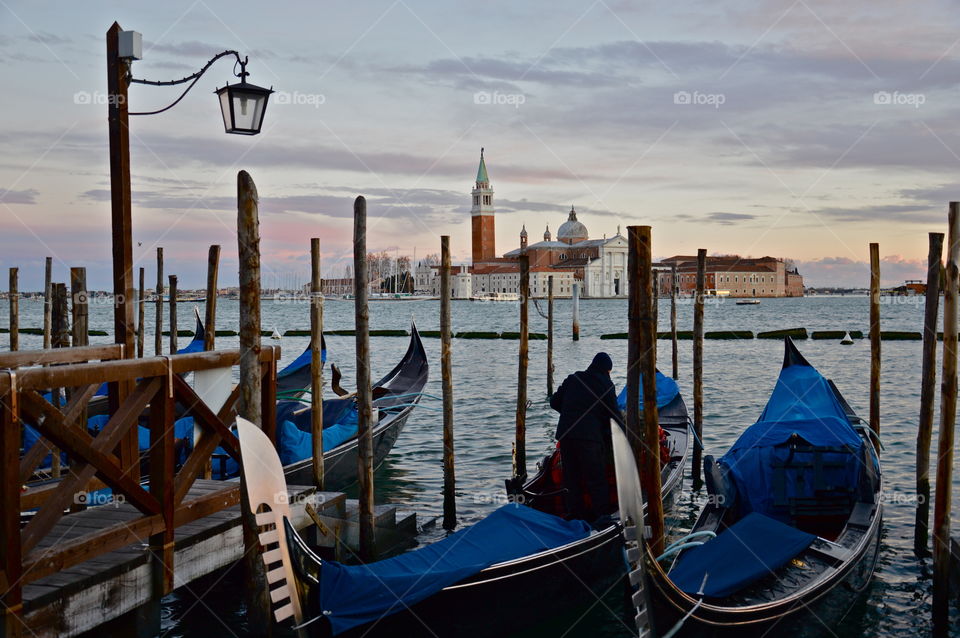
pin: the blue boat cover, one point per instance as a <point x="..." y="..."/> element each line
<point x="195" y="345"/>
<point x="351" y="595"/>
<point x="745" y="552"/>
<point x="295" y="445"/>
<point x="804" y="404"/>
<point x="303" y="360"/>
<point x="667" y="390"/>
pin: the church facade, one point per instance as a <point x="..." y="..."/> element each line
<point x="598" y="266"/>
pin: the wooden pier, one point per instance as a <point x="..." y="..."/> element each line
<point x="99" y="590"/>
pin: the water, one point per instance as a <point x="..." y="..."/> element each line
<point x="739" y="376"/>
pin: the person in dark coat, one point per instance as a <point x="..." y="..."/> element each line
<point x="586" y="401"/>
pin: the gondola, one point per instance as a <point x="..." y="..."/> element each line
<point x="403" y="595"/>
<point x="565" y="566"/>
<point x="791" y="529"/>
<point x="395" y="397"/>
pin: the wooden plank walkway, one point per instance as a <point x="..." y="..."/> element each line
<point x="86" y="595"/>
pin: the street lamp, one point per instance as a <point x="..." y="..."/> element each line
<point x="243" y="106"/>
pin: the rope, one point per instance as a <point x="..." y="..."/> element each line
<point x="536" y="304"/>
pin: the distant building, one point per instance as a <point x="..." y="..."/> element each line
<point x="735" y="276"/>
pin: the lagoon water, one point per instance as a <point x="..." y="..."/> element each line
<point x="738" y="378"/>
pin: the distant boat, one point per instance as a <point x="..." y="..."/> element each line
<point x="847" y="340"/>
<point x="748" y="302"/>
<point x="276" y="334"/>
<point x="496" y="296"/>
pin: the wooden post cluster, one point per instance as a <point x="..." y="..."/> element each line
<point x="210" y="314"/>
<point x="673" y="322"/>
<point x="641" y="367"/>
<point x="316" y="363"/>
<point x="14" y="309"/>
<point x="249" y="403"/>
<point x="927" y="389"/>
<point x="141" y="314"/>
<point x="698" y="365"/>
<point x="576" y="311"/>
<point x="520" y="458"/>
<point x="158" y="324"/>
<point x="550" y="336"/>
<point x="875" y="342"/>
<point x="446" y="371"/>
<point x="368" y="541"/>
<point x="79" y="307"/>
<point x="948" y="420"/>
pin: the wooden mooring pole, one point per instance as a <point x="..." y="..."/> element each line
<point x="316" y="362"/>
<point x="60" y="322"/>
<point x="948" y="419"/>
<point x="446" y="372"/>
<point x="141" y="314"/>
<point x="47" y="301"/>
<point x="249" y="404"/>
<point x="699" y="292"/>
<point x="210" y="311"/>
<point x="927" y="389"/>
<point x="875" y="343"/>
<point x="173" y="314"/>
<point x="641" y="367"/>
<point x="576" y="311"/>
<point x="550" y="336"/>
<point x="520" y="456"/>
<point x="158" y="323"/>
<point x="673" y="322"/>
<point x="368" y="541"/>
<point x="79" y="307"/>
<point x="14" y="310"/>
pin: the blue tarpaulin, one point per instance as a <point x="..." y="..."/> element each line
<point x="351" y="595"/>
<point x="295" y="445"/>
<point x="804" y="404"/>
<point x="304" y="359"/>
<point x="746" y="551"/>
<point x="667" y="390"/>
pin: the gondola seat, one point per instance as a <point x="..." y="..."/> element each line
<point x="745" y="552"/>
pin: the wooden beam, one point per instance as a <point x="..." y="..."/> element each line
<point x="82" y="472"/>
<point x="523" y="359"/>
<point x="83" y="354"/>
<point x="316" y="363"/>
<point x="162" y="415"/>
<point x="47" y="302"/>
<point x="368" y="542"/>
<point x="75" y="408"/>
<point x="928" y="383"/>
<point x="210" y="316"/>
<point x="446" y="373"/>
<point x="11" y="568"/>
<point x="14" y="323"/>
<point x="700" y="291"/>
<point x="875" y="343"/>
<point x="141" y="314"/>
<point x="158" y="319"/>
<point x="79" y="306"/>
<point x="173" y="314"/>
<point x="948" y="421"/>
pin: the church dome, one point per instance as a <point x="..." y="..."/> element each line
<point x="572" y="231"/>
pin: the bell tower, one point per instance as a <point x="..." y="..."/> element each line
<point x="481" y="216"/>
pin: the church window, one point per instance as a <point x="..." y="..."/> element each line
<point x="486" y="200"/>
<point x="476" y="199"/>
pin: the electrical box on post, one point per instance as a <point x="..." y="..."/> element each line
<point x="131" y="45"/>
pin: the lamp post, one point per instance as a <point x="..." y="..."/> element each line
<point x="243" y="106"/>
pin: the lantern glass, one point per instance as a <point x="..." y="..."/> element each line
<point x="243" y="106"/>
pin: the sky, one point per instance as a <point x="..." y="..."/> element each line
<point x="797" y="129"/>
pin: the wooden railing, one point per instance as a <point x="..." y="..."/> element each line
<point x="155" y="386"/>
